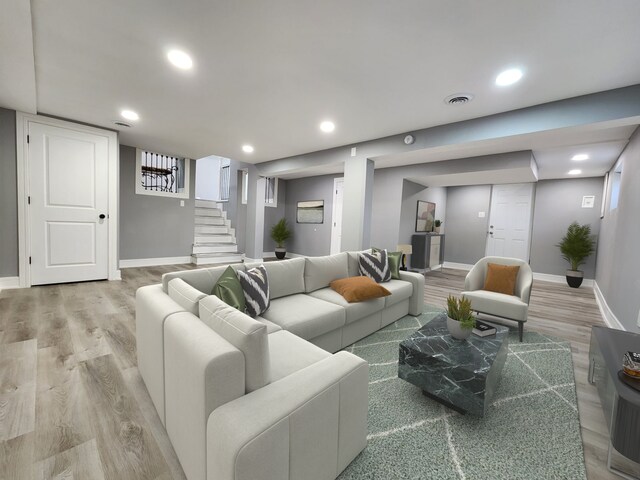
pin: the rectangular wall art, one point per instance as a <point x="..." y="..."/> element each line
<point x="425" y="216"/>
<point x="310" y="211"/>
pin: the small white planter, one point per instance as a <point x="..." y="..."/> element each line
<point x="456" y="330"/>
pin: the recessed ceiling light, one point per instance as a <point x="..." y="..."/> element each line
<point x="509" y="77"/>
<point x="180" y="59"/>
<point x="247" y="149"/>
<point x="580" y="156"/>
<point x="574" y="172"/>
<point x="327" y="126"/>
<point x="129" y="115"/>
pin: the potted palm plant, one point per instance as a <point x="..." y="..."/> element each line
<point x="576" y="246"/>
<point x="460" y="319"/>
<point x="280" y="233"/>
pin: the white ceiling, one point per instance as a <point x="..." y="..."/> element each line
<point x="267" y="73"/>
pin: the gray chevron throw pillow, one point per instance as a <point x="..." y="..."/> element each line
<point x="375" y="266"/>
<point x="255" y="285"/>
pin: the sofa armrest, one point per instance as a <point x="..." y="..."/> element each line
<point x="475" y="278"/>
<point x="416" y="301"/>
<point x="310" y="424"/>
<point x="202" y="372"/>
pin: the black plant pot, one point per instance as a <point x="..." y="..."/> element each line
<point x="574" y="278"/>
<point x="280" y="253"/>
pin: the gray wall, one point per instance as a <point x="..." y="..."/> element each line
<point x="618" y="260"/>
<point x="557" y="204"/>
<point x="152" y="227"/>
<point x="465" y="232"/>
<point x="273" y="214"/>
<point x="411" y="193"/>
<point x="310" y="239"/>
<point x="8" y="195"/>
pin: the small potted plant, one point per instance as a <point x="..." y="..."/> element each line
<point x="436" y="225"/>
<point x="280" y="233"/>
<point x="460" y="319"/>
<point x="576" y="246"/>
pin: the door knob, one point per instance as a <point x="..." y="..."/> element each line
<point x="102" y="216"/>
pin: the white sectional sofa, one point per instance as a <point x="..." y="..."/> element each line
<point x="264" y="398"/>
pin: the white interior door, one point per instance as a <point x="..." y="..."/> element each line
<point x="336" y="215"/>
<point x="68" y="190"/>
<point x="510" y="221"/>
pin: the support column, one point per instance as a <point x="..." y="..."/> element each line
<point x="255" y="215"/>
<point x="357" y="201"/>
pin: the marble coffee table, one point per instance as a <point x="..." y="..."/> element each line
<point x="461" y="374"/>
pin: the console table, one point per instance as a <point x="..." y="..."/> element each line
<point x="428" y="250"/>
<point x="621" y="404"/>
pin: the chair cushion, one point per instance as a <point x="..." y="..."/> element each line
<point x="185" y="295"/>
<point x="501" y="278"/>
<point x="229" y="289"/>
<point x="400" y="290"/>
<point x="289" y="353"/>
<point x="286" y="277"/>
<point x="243" y="332"/>
<point x="375" y="266"/>
<point x="319" y="272"/>
<point x="354" y="311"/>
<point x="493" y="303"/>
<point x="358" y="289"/>
<point x="255" y="285"/>
<point x="305" y="315"/>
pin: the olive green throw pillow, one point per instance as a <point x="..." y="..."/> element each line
<point x="395" y="260"/>
<point x="229" y="290"/>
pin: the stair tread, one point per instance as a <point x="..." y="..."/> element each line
<point x="217" y="254"/>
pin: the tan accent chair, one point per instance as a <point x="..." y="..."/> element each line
<point x="512" y="307"/>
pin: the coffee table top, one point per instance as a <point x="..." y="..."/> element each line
<point x="434" y="341"/>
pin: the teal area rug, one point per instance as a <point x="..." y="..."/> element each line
<point x="532" y="430"/>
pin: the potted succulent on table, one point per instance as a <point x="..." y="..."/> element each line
<point x="460" y="319"/>
<point x="436" y="225"/>
<point x="576" y="246"/>
<point x="280" y="233"/>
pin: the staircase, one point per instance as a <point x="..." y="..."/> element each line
<point x="214" y="240"/>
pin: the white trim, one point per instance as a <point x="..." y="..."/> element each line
<point x="274" y="204"/>
<point x="154" y="262"/>
<point x="458" y="266"/>
<point x="9" y="282"/>
<point x="253" y="260"/>
<point x="22" y="151"/>
<point x="141" y="191"/>
<point x="546" y="277"/>
<point x="607" y="314"/>
<point x="334" y="246"/>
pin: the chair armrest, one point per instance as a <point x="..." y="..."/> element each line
<point x="523" y="290"/>
<point x="310" y="424"/>
<point x="475" y="278"/>
<point x="202" y="372"/>
<point x="416" y="301"/>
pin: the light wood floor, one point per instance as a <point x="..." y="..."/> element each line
<point x="73" y="405"/>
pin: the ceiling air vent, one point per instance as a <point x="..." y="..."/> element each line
<point x="458" y="99"/>
<point x="122" y="124"/>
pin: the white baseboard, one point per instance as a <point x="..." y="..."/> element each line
<point x="546" y="277"/>
<point x="9" y="282"/>
<point x="154" y="262"/>
<point x="607" y="314"/>
<point x="458" y="266"/>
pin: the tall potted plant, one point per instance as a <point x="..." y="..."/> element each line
<point x="280" y="233"/>
<point x="576" y="246"/>
<point x="460" y="321"/>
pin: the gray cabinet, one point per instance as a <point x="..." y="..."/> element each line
<point x="428" y="251"/>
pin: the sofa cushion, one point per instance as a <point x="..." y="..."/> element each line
<point x="400" y="290"/>
<point x="185" y="295"/>
<point x="229" y="290"/>
<point x="375" y="266"/>
<point x="499" y="304"/>
<point x="289" y="353"/>
<point x="319" y="272"/>
<point x="395" y="260"/>
<point x="286" y="277"/>
<point x="255" y="284"/>
<point x="358" y="289"/>
<point x="201" y="278"/>
<point x="243" y="332"/>
<point x="271" y="327"/>
<point x="305" y="316"/>
<point x="353" y="265"/>
<point x="354" y="311"/>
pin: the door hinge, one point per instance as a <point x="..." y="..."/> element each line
<point x="27" y="138"/>
<point x="29" y="260"/>
<point x="29" y="199"/>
